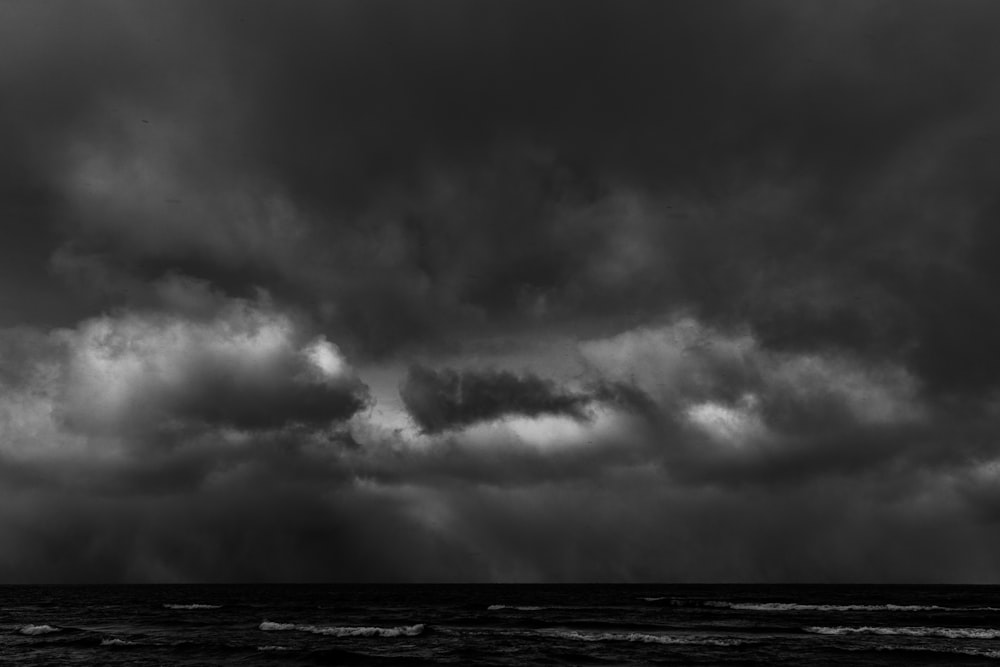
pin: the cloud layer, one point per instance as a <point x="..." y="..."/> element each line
<point x="507" y="291"/>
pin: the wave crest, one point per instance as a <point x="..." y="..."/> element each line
<point x="114" y="641"/>
<point x="795" y="606"/>
<point x="196" y="605"/>
<point x="972" y="651"/>
<point x="908" y="631"/>
<point x="269" y="626"/>
<point x="644" y="637"/>
<point x="346" y="630"/>
<point x="37" y="630"/>
<point x="501" y="607"/>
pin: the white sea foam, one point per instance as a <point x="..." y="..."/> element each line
<point x="794" y="606"/>
<point x="653" y="599"/>
<point x="193" y="606"/>
<point x="271" y="627"/>
<point x="272" y="647"/>
<point x="974" y="651"/>
<point x="116" y="642"/>
<point x="643" y="637"/>
<point x="501" y="607"/>
<point x="38" y="630"/>
<point x="993" y="654"/>
<point x="908" y="631"/>
<point x="346" y="630"/>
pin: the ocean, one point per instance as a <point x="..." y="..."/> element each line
<point x="499" y="625"/>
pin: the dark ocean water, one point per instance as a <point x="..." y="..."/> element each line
<point x="499" y="625"/>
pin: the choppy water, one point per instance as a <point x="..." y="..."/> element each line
<point x="499" y="625"/>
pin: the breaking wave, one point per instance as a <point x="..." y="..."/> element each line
<point x="500" y="607"/>
<point x="971" y="651"/>
<point x="653" y="599"/>
<point x="346" y="630"/>
<point x="192" y="606"/>
<point x="643" y="637"/>
<point x="37" y="630"/>
<point x="116" y="642"/>
<point x="991" y="653"/>
<point x="950" y="633"/>
<point x="795" y="606"/>
<point x="269" y="626"/>
<point x="273" y="647"/>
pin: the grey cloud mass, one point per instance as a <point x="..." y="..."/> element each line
<point x="439" y="400"/>
<point x="501" y="291"/>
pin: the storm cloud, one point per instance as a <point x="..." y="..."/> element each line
<point x="506" y="291"/>
<point x="439" y="400"/>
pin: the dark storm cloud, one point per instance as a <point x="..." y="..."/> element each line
<point x="706" y="494"/>
<point x="707" y="406"/>
<point x="63" y="65"/>
<point x="647" y="89"/>
<point x="813" y="170"/>
<point x="816" y="170"/>
<point x="443" y="399"/>
<point x="723" y="408"/>
<point x="771" y="225"/>
<point x="220" y="400"/>
<point x="338" y="107"/>
<point x="260" y="528"/>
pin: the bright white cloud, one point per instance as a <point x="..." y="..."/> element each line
<point x="326" y="359"/>
<point x="119" y="376"/>
<point x="672" y="362"/>
<point x="727" y="382"/>
<point x="733" y="424"/>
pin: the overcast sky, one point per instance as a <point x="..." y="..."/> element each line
<point x="499" y="291"/>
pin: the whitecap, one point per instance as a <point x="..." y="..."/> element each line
<point x="38" y="630"/>
<point x="973" y="651"/>
<point x="195" y="605"/>
<point x="347" y="630"/>
<point x="501" y="607"/>
<point x="643" y="637"/>
<point x="114" y="641"/>
<point x="268" y="626"/>
<point x="796" y="606"/>
<point x="908" y="631"/>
